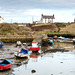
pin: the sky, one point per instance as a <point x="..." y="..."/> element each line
<point x="26" y="11"/>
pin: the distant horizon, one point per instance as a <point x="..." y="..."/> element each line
<point x="31" y="22"/>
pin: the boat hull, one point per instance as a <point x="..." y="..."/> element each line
<point x="5" y="67"/>
<point x="34" y="49"/>
<point x="21" y="56"/>
<point x="1" y="45"/>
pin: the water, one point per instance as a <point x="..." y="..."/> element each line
<point x="48" y="63"/>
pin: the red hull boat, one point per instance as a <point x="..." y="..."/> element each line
<point x="5" y="65"/>
<point x="35" y="47"/>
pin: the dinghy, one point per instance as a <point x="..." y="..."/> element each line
<point x="22" y="54"/>
<point x="5" y="65"/>
<point x="1" y="44"/>
<point x="35" y="47"/>
<point x="18" y="43"/>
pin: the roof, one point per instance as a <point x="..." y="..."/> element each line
<point x="48" y="17"/>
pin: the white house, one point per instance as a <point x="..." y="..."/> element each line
<point x="1" y="20"/>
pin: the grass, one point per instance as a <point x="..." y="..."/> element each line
<point x="13" y="32"/>
<point x="13" y="29"/>
<point x="69" y="28"/>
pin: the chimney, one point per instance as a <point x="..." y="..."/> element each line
<point x="41" y="14"/>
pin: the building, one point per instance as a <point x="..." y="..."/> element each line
<point x="1" y="20"/>
<point x="47" y="18"/>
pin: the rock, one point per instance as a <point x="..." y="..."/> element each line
<point x="61" y="62"/>
<point x="33" y="71"/>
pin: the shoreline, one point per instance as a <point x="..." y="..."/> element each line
<point x="15" y="39"/>
<point x="69" y="35"/>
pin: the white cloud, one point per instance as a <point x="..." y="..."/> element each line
<point x="60" y="15"/>
<point x="4" y="12"/>
<point x="26" y="15"/>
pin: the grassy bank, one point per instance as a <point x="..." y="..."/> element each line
<point x="10" y="33"/>
<point x="13" y="32"/>
<point x="7" y="29"/>
<point x="15" y="39"/>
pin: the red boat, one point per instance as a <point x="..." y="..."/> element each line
<point x="5" y="65"/>
<point x="35" y="47"/>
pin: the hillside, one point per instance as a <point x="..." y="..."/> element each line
<point x="13" y="29"/>
<point x="7" y="29"/>
<point x="69" y="28"/>
<point x="44" y="27"/>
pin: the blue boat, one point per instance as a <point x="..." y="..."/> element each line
<point x="55" y="37"/>
<point x="1" y="44"/>
<point x="22" y="54"/>
<point x="24" y="51"/>
<point x="49" y="37"/>
<point x="51" y="42"/>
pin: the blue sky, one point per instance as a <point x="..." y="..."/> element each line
<point x="23" y="10"/>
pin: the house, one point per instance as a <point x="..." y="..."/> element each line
<point x="47" y="18"/>
<point x="1" y="20"/>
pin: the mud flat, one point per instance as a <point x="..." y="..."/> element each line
<point x="54" y="62"/>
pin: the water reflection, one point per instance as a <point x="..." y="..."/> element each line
<point x="67" y="46"/>
<point x="34" y="56"/>
<point x="58" y="45"/>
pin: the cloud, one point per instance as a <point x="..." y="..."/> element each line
<point x="26" y="15"/>
<point x="73" y="14"/>
<point x="24" y="10"/>
<point x="36" y="4"/>
<point x="4" y="12"/>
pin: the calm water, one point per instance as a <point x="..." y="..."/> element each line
<point x="48" y="63"/>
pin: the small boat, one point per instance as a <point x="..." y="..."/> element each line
<point x="51" y="42"/>
<point x="18" y="43"/>
<point x="1" y="44"/>
<point x="5" y="65"/>
<point x="55" y="37"/>
<point x="49" y="37"/>
<point x="35" y="47"/>
<point x="22" y="54"/>
<point x="73" y="41"/>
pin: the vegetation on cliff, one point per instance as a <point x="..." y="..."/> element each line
<point x="13" y="29"/>
<point x="13" y="32"/>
